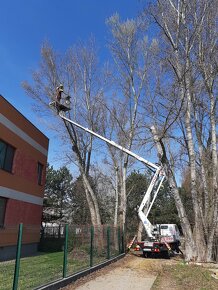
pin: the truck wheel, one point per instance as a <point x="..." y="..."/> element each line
<point x="166" y="255"/>
<point x="146" y="254"/>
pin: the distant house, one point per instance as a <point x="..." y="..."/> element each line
<point x="23" y="158"/>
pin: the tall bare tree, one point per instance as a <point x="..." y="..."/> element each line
<point x="83" y="80"/>
<point x="189" y="55"/>
<point x="131" y="58"/>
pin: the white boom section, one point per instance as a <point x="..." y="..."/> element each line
<point x="155" y="179"/>
<point x="146" y="202"/>
<point x="150" y="164"/>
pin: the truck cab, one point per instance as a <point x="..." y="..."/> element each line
<point x="169" y="231"/>
<point x="170" y="234"/>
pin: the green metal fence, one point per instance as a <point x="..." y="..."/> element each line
<point x="63" y="251"/>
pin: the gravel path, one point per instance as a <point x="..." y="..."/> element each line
<point x="129" y="273"/>
<point x="122" y="279"/>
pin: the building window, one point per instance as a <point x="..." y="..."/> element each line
<point x="39" y="172"/>
<point x="2" y="210"/>
<point x="6" y="156"/>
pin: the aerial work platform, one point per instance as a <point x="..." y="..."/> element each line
<point x="60" y="103"/>
<point x="161" y="238"/>
<point x="60" y="106"/>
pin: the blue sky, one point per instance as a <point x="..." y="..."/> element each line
<point x="25" y="24"/>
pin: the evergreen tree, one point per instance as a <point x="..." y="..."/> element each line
<point x="58" y="194"/>
<point x="163" y="210"/>
<point x="136" y="185"/>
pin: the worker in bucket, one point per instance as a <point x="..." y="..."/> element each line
<point x="59" y="91"/>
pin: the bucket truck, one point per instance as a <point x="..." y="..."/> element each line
<point x="161" y="238"/>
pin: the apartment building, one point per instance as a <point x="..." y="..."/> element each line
<point x="23" y="158"/>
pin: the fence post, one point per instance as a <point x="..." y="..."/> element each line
<point x="108" y="242"/>
<point x="17" y="262"/>
<point x="91" y="245"/>
<point x="65" y="251"/>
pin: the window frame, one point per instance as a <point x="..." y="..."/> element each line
<point x="8" y="166"/>
<point x="2" y="222"/>
<point x="40" y="168"/>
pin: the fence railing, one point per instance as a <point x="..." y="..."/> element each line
<point x="63" y="251"/>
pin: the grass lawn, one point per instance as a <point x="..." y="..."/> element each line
<point x="38" y="270"/>
<point x="182" y="276"/>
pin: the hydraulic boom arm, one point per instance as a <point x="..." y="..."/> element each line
<point x="146" y="162"/>
<point x="156" y="181"/>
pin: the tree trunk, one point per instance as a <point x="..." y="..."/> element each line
<point x="214" y="176"/>
<point x="139" y="232"/>
<point x="124" y="194"/>
<point x="122" y="207"/>
<point x="94" y="209"/>
<point x="199" y="234"/>
<point x="115" y="232"/>
<point x="91" y="207"/>
<point x="116" y="197"/>
<point x="190" y="246"/>
<point x="204" y="179"/>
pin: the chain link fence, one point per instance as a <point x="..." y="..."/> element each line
<point x="62" y="251"/>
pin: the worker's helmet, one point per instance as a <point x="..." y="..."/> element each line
<point x="60" y="88"/>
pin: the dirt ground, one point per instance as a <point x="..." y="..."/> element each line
<point x="131" y="272"/>
<point x="187" y="276"/>
<point x="138" y="273"/>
